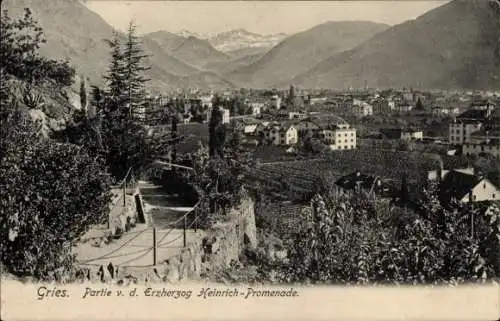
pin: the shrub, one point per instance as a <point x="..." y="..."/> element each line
<point x="50" y="194"/>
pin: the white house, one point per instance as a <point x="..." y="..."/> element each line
<point x="275" y="102"/>
<point x="361" y="108"/>
<point x="317" y="100"/>
<point x="412" y="135"/>
<point x="341" y="137"/>
<point x="466" y="124"/>
<point x="281" y="134"/>
<point x="467" y="188"/>
<point x="225" y="116"/>
<point x="206" y="101"/>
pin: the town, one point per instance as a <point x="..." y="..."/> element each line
<point x="155" y="157"/>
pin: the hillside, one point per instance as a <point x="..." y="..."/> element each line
<point x="226" y="67"/>
<point x="453" y="46"/>
<point x="194" y="51"/>
<point x="248" y="51"/>
<point x="300" y="52"/>
<point x="77" y="33"/>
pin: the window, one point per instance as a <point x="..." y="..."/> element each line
<point x="484" y="185"/>
<point x="475" y="197"/>
<point x="493" y="195"/>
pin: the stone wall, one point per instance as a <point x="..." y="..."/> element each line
<point x="219" y="246"/>
<point x="121" y="213"/>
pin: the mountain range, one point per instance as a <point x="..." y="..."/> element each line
<point x="302" y="51"/>
<point x="77" y="33"/>
<point x="456" y="45"/>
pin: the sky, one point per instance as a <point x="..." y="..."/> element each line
<point x="263" y="17"/>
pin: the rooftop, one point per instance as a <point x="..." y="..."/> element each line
<point x="458" y="184"/>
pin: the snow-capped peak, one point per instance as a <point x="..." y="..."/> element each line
<point x="241" y="38"/>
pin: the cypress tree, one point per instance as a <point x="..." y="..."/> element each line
<point x="134" y="69"/>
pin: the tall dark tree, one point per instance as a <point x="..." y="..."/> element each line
<point x="419" y="105"/>
<point x="404" y="193"/>
<point x="174" y="138"/>
<point x="115" y="80"/>
<point x="217" y="133"/>
<point x="134" y="70"/>
<point x="83" y="93"/>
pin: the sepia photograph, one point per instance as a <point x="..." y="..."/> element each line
<point x="248" y="153"/>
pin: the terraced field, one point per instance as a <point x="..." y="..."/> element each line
<point x="299" y="177"/>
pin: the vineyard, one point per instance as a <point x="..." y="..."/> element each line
<point x="298" y="178"/>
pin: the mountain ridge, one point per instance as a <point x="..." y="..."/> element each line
<point x="452" y="46"/>
<point x="302" y="51"/>
<point x="62" y="22"/>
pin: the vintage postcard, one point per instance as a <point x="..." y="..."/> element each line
<point x="250" y="160"/>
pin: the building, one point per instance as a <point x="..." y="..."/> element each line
<point x="281" y="134"/>
<point x="275" y="102"/>
<point x="412" y="134"/>
<point x="256" y="108"/>
<point x="405" y="107"/>
<point x="248" y="126"/>
<point x="402" y="134"/>
<point x="467" y="188"/>
<point x="359" y="182"/>
<point x="317" y="100"/>
<point x="467" y="123"/>
<point x="306" y="127"/>
<point x="296" y="115"/>
<point x="490" y="146"/>
<point x="256" y="105"/>
<point x="361" y="108"/>
<point x="339" y="137"/>
<point x="445" y="111"/>
<point x="206" y="101"/>
<point x="225" y="116"/>
<point x="382" y="106"/>
<point x="483" y="104"/>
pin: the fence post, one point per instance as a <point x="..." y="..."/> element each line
<point x="124" y="192"/>
<point x="154" y="246"/>
<point x="184" y="233"/>
<point x="195" y="219"/>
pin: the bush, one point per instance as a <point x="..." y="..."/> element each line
<point x="50" y="194"/>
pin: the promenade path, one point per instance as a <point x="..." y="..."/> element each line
<point x="135" y="248"/>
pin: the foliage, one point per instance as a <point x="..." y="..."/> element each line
<point x="118" y="133"/>
<point x="20" y="42"/>
<point x="419" y="105"/>
<point x="217" y="133"/>
<point x="83" y="93"/>
<point x="359" y="242"/>
<point x="51" y="193"/>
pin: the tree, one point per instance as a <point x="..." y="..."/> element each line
<point x="217" y="133"/>
<point x="83" y="93"/>
<point x="125" y="141"/>
<point x="419" y="105"/>
<point x="134" y="69"/>
<point x="51" y="193"/>
<point x="20" y="41"/>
